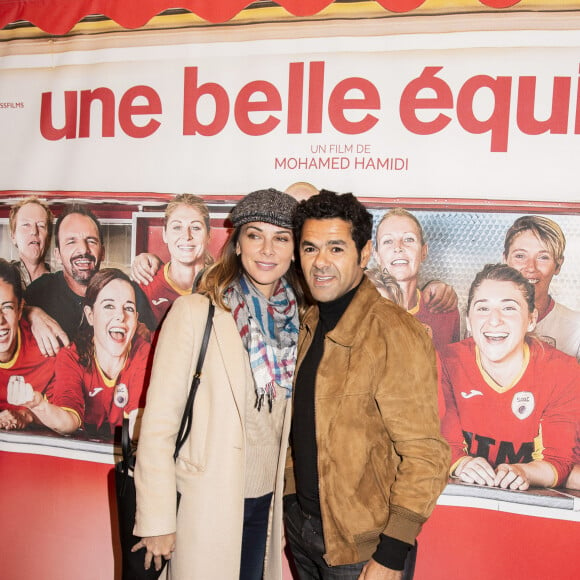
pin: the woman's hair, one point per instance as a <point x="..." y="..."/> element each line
<point x="197" y="204"/>
<point x="228" y="268"/>
<point x="84" y="340"/>
<point x="402" y="212"/>
<point x="545" y="229"/>
<point x="10" y="274"/>
<point x="381" y="278"/>
<point x="32" y="199"/>
<point x="503" y="273"/>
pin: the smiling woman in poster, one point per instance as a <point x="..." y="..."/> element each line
<point x="512" y="401"/>
<point x="229" y="471"/>
<point x="534" y="245"/>
<point x="100" y="379"/>
<point x="400" y="248"/>
<point x="186" y="233"/>
<point x="20" y="358"/>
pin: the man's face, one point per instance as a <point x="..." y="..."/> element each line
<point x="329" y="258"/>
<point x="80" y="250"/>
<point x="31" y="232"/>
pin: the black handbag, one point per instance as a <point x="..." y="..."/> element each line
<point x="134" y="562"/>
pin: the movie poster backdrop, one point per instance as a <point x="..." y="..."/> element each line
<point x="390" y="118"/>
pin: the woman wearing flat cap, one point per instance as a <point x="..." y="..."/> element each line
<point x="229" y="471"/>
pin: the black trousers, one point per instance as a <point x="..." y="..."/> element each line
<point x="305" y="538"/>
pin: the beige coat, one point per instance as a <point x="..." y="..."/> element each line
<point x="209" y="471"/>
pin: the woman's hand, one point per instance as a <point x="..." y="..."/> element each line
<point x="439" y="297"/>
<point x="157" y="548"/>
<point x="21" y="393"/>
<point x="511" y="477"/>
<point x="475" y="470"/>
<point x="15" y="419"/>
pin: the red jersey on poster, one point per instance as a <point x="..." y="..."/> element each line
<point x="162" y="293"/>
<point x="533" y="419"/>
<point x="28" y="362"/>
<point x="97" y="400"/>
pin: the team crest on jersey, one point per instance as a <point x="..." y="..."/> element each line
<point x="121" y="396"/>
<point x="523" y="404"/>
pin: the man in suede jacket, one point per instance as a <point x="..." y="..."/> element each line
<point x="367" y="460"/>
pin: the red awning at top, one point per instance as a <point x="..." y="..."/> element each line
<point x="60" y="17"/>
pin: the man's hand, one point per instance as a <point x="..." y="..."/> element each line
<point x="47" y="332"/>
<point x="157" y="548"/>
<point x="374" y="571"/>
<point x="439" y="297"/>
<point x="476" y="470"/>
<point x="145" y="267"/>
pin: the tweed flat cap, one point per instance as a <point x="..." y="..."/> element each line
<point x="265" y="205"/>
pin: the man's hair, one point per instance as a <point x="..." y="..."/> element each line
<point x="545" y="229"/>
<point x="25" y="201"/>
<point x="503" y="273"/>
<point x="81" y="210"/>
<point x="329" y="205"/>
<point x="10" y="274"/>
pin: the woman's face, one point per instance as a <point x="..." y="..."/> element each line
<point x="399" y="247"/>
<point x="532" y="258"/>
<point x="266" y="252"/>
<point x="499" y="319"/>
<point x="10" y="311"/>
<point x="186" y="235"/>
<point x="114" y="318"/>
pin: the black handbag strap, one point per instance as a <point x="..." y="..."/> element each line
<point x="185" y="426"/>
<point x="187" y="417"/>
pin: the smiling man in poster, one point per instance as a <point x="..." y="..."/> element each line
<point x="61" y="295"/>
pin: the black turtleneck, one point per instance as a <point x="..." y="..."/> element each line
<point x="304" y="448"/>
<point x="390" y="552"/>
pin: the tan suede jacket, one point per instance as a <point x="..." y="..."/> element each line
<point x="382" y="461"/>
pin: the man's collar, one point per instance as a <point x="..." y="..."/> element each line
<point x="349" y="324"/>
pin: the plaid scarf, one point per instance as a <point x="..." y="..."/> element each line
<point x="269" y="331"/>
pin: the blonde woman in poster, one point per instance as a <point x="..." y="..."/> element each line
<point x="401" y="248"/>
<point x="186" y="231"/>
<point x="229" y="472"/>
<point x="535" y="246"/>
<point x="512" y="401"/>
<point x="20" y="358"/>
<point x="100" y="379"/>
